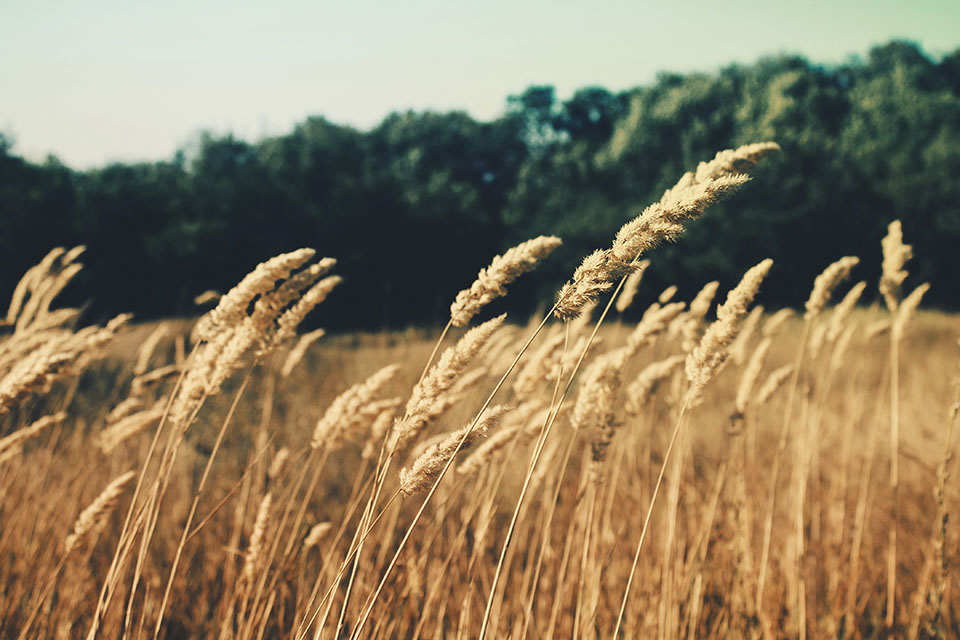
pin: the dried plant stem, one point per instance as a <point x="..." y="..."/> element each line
<point x="777" y="465"/>
<point x="345" y="564"/>
<point x="859" y="524"/>
<point x="227" y="495"/>
<point x="44" y="594"/>
<point x="541" y="441"/>
<point x="364" y="525"/>
<point x="153" y="505"/>
<point x="443" y="472"/>
<point x="275" y="543"/>
<point x="561" y="578"/>
<point x="436" y="347"/>
<point x="590" y="507"/>
<point x="359" y="489"/>
<point x="653" y="500"/>
<point x="362" y="529"/>
<point x="126" y="537"/>
<point x="196" y="499"/>
<point x="894" y="475"/>
<point x="545" y="538"/>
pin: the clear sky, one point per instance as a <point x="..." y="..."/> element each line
<point x="99" y="80"/>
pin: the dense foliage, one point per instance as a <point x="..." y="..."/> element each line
<point x="863" y="143"/>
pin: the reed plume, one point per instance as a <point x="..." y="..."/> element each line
<point x="907" y="309"/>
<point x="667" y="294"/>
<point x="439" y="380"/>
<point x="773" y="382"/>
<point x="843" y="309"/>
<point x="826" y="282"/>
<point x="646" y="382"/>
<point x="421" y="475"/>
<point x="693" y="318"/>
<point x="96" y="514"/>
<point x="491" y="282"/>
<point x="775" y="322"/>
<point x="12" y="443"/>
<point x="255" y="546"/>
<point x="231" y="310"/>
<point x="704" y="360"/>
<point x="353" y="410"/>
<point x="299" y="350"/>
<point x="630" y="287"/>
<point x="316" y="534"/>
<point x="895" y="255"/>
<point x="738" y="350"/>
<point x="128" y="426"/>
<point x="661" y="221"/>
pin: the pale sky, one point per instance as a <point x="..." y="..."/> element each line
<point x="95" y="81"/>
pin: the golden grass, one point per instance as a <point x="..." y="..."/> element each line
<point x="799" y="487"/>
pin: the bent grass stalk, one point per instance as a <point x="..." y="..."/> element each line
<point x="541" y="440"/>
<point x="653" y="500"/>
<point x="125" y="540"/>
<point x="443" y="472"/>
<point x="196" y="498"/>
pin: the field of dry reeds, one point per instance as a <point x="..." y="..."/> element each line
<point x="713" y="470"/>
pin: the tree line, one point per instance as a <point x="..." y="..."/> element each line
<point x="415" y="206"/>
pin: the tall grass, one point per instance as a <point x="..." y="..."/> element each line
<point x="567" y="478"/>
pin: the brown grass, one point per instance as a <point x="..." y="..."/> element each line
<point x="267" y="503"/>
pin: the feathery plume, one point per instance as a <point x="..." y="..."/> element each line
<point x="775" y="322"/>
<point x="491" y="282"/>
<point x="513" y="432"/>
<point x="826" y="282"/>
<point x="379" y="427"/>
<point x="738" y="350"/>
<point x="317" y="532"/>
<point x="630" y="287"/>
<point x="750" y="375"/>
<point x="596" y="403"/>
<point x="279" y="461"/>
<point x="29" y="280"/>
<point x="124" y="409"/>
<point x="843" y="309"/>
<point x="646" y="382"/>
<point x="876" y="328"/>
<point x="895" y="255"/>
<point x="439" y="380"/>
<point x="660" y="221"/>
<point x="208" y="297"/>
<point x="13" y="441"/>
<point x="255" y="546"/>
<point x="146" y="349"/>
<point x="299" y="350"/>
<point x="140" y="383"/>
<point x="653" y="323"/>
<point x="693" y="318"/>
<point x="663" y="220"/>
<point x="533" y="370"/>
<point x="232" y="308"/>
<point x="96" y="514"/>
<point x="774" y="381"/>
<point x="907" y="309"/>
<point x="667" y="294"/>
<point x="841" y="346"/>
<point x="427" y="467"/>
<point x="703" y="361"/>
<point x="125" y="428"/>
<point x="352" y="410"/>
<point x="291" y="319"/>
<point x="595" y="275"/>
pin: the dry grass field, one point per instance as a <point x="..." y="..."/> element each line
<point x="713" y="470"/>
